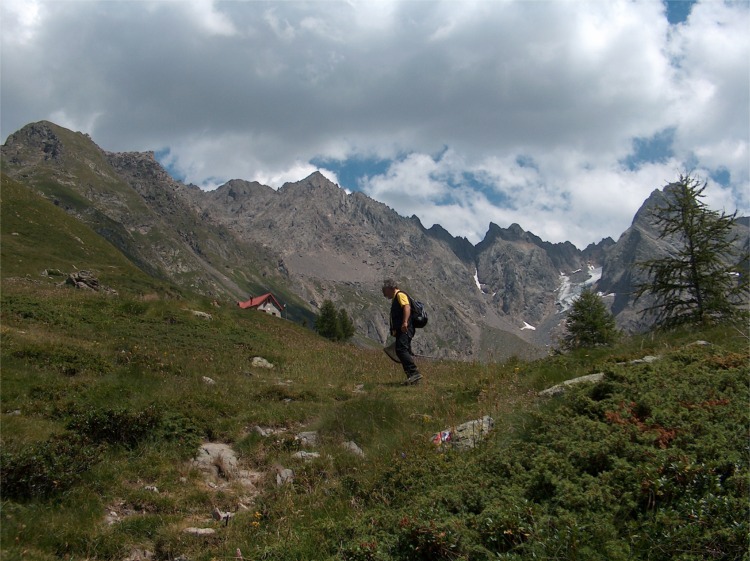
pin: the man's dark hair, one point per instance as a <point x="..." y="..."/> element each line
<point x="390" y="283"/>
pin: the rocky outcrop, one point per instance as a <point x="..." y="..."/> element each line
<point x="87" y="280"/>
<point x="559" y="389"/>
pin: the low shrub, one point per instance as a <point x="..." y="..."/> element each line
<point x="116" y="426"/>
<point x="47" y="468"/>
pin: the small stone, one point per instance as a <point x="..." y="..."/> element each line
<point x="260" y="362"/>
<point x="284" y="476"/>
<point x="200" y="531"/>
<point x="202" y="315"/>
<point x="354" y="448"/>
<point x="307" y="456"/>
<point x="220" y="515"/>
<point x="309" y="438"/>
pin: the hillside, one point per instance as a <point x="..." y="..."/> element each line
<point x="109" y="398"/>
<point x="311" y="241"/>
<point x="131" y="202"/>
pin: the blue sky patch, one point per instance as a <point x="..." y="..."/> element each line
<point x="526" y="162"/>
<point x="163" y="157"/>
<point x="495" y="196"/>
<point x="721" y="176"/>
<point x="351" y="170"/>
<point x="678" y="10"/>
<point x="656" y="149"/>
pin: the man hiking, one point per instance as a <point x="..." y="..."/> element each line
<point x="402" y="328"/>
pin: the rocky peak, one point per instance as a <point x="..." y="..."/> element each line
<point x="44" y="143"/>
<point x="36" y="143"/>
<point x="314" y="184"/>
<point x="462" y="247"/>
<point x="236" y="189"/>
<point x="564" y="256"/>
<point x="141" y="166"/>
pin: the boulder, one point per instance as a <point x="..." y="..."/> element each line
<point x="559" y="389"/>
<point x="260" y="362"/>
<point x="309" y="438"/>
<point x="466" y="435"/>
<point x="354" y="448"/>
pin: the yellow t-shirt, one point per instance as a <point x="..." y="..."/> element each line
<point x="403" y="299"/>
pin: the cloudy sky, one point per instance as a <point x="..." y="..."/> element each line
<point x="560" y="116"/>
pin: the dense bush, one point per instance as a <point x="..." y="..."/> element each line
<point x="46" y="468"/>
<point x="116" y="426"/>
<point x="644" y="465"/>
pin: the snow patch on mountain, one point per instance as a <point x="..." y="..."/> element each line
<point x="569" y="289"/>
<point x="482" y="287"/>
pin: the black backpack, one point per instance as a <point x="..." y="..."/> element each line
<point x="418" y="313"/>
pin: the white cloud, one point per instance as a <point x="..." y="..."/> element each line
<point x="539" y="101"/>
<point x="205" y="16"/>
<point x="21" y="18"/>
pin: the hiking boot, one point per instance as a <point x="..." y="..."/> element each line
<point x="413" y="379"/>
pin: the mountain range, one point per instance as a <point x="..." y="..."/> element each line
<point x="311" y="241"/>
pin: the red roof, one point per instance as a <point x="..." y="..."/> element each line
<point x="260" y="300"/>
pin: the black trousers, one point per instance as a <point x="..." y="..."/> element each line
<point x="404" y="352"/>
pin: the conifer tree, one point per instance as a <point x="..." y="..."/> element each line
<point x="589" y="323"/>
<point x="345" y="325"/>
<point x="703" y="278"/>
<point x="333" y="325"/>
<point x="327" y="322"/>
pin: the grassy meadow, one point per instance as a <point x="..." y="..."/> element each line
<point x="106" y="399"/>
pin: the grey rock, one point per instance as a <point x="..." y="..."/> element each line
<point x="217" y="460"/>
<point x="199" y="531"/>
<point x="352" y="447"/>
<point x="307" y="456"/>
<point x="202" y="315"/>
<point x="284" y="477"/>
<point x="648" y="359"/>
<point x="466" y="435"/>
<point x="559" y="389"/>
<point x="309" y="438"/>
<point x="260" y="362"/>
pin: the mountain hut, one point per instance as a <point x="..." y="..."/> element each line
<point x="265" y="303"/>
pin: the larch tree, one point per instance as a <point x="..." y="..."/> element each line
<point x="704" y="276"/>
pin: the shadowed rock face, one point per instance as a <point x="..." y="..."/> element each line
<point x="313" y="241"/>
